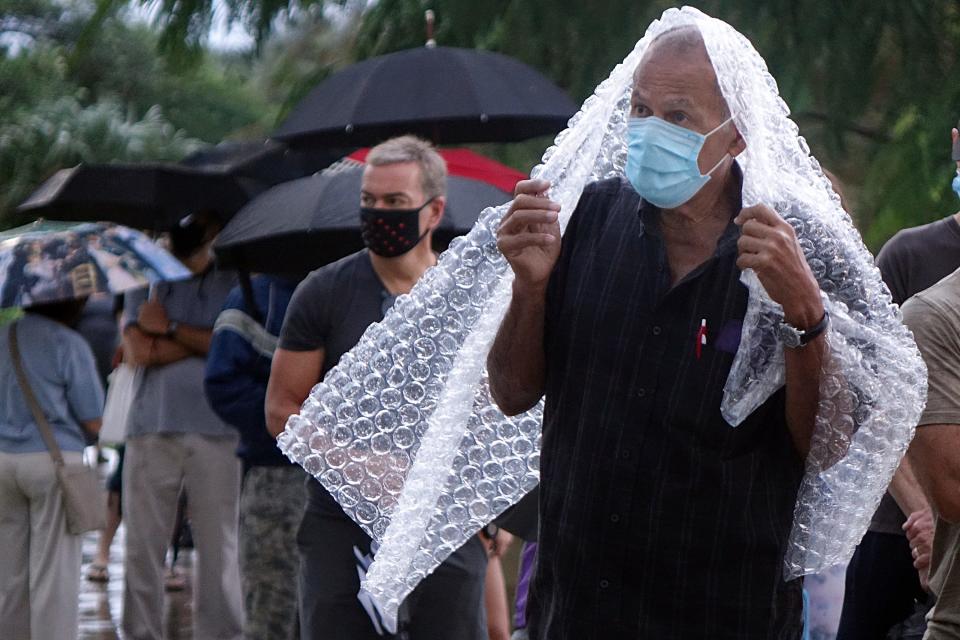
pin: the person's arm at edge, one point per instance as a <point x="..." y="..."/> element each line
<point x="292" y="375"/>
<point x="906" y="489"/>
<point x="934" y="453"/>
<point x="516" y="362"/>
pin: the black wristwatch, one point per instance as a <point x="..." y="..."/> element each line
<point x="794" y="338"/>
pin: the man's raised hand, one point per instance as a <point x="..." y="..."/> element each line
<point x="768" y="245"/>
<point x="529" y="234"/>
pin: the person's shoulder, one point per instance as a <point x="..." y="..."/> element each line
<point x="610" y="195"/>
<point x="912" y="237"/>
<point x="60" y="336"/>
<point x="328" y="276"/>
<point x="613" y="187"/>
<point x="943" y="297"/>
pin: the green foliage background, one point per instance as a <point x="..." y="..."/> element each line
<point x="873" y="84"/>
<point x="68" y="95"/>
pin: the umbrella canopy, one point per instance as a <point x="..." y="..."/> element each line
<point x="262" y="164"/>
<point x="303" y="224"/>
<point x="468" y="164"/>
<point x="445" y="94"/>
<point x="145" y="196"/>
<point x="52" y="262"/>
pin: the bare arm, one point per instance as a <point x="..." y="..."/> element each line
<point x="292" y="375"/>
<point x="145" y="350"/>
<point x="196" y="339"/>
<point x="934" y="456"/>
<point x="906" y="490"/>
<point x="516" y="362"/>
<point x="803" y="366"/>
<point x="153" y="321"/>
<point x="769" y="246"/>
<point x="92" y="426"/>
<point x="529" y="237"/>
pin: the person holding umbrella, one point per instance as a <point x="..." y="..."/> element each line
<point x="40" y="568"/>
<point x="402" y="201"/>
<point x="175" y="439"/>
<point x="44" y="357"/>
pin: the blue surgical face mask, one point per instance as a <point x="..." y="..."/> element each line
<point x="662" y="161"/>
<point x="956" y="184"/>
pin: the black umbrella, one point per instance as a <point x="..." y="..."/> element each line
<point x="303" y="224"/>
<point x="144" y="196"/>
<point x="448" y="95"/>
<point x="263" y="163"/>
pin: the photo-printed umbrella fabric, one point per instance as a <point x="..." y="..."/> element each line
<point x="50" y="262"/>
<point x="404" y="435"/>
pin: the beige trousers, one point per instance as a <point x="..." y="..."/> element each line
<point x="40" y="561"/>
<point x="154" y="469"/>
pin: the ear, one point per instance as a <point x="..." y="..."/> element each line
<point x="437" y="207"/>
<point x="737" y="145"/>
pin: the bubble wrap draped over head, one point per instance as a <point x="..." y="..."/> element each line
<point x="403" y="433"/>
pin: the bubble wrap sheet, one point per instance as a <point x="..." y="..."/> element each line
<point x="403" y="433"/>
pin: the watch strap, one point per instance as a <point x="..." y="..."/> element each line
<point x="808" y="335"/>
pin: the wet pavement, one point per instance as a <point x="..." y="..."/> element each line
<point x="101" y="604"/>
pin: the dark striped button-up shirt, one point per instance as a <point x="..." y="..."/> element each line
<point x="658" y="519"/>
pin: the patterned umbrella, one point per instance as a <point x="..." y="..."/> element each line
<point x="49" y="262"/>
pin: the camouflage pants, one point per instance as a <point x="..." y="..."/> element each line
<point x="271" y="507"/>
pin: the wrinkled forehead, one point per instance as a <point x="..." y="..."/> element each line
<point x="676" y="64"/>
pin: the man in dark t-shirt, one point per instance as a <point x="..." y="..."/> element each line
<point x="882" y="585"/>
<point x="402" y="201"/>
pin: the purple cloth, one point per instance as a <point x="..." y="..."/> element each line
<point x="527" y="559"/>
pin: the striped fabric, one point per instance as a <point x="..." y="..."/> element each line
<point x="658" y="519"/>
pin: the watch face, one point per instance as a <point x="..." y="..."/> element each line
<point x="790" y="335"/>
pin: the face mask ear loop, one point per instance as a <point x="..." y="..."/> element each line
<point x="708" y="173"/>
<point x="717" y="128"/>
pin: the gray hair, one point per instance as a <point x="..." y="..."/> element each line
<point x="433" y="168"/>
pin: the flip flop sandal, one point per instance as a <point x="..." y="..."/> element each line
<point x="98" y="573"/>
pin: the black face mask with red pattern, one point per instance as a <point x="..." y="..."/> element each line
<point x="391" y="232"/>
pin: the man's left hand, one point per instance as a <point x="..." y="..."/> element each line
<point x="919" y="528"/>
<point x="153" y="318"/>
<point x="768" y="245"/>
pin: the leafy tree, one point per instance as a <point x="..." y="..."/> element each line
<point x="62" y="133"/>
<point x="868" y="81"/>
<point x="107" y="99"/>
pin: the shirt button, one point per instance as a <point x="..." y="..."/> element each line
<point x="625" y="454"/>
<point x="604" y="584"/>
<point x="656" y="330"/>
<point x="614" y="518"/>
<point x="641" y="393"/>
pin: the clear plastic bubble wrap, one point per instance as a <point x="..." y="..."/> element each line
<point x="404" y="435"/>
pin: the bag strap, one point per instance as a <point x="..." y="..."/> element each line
<point x="45" y="431"/>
